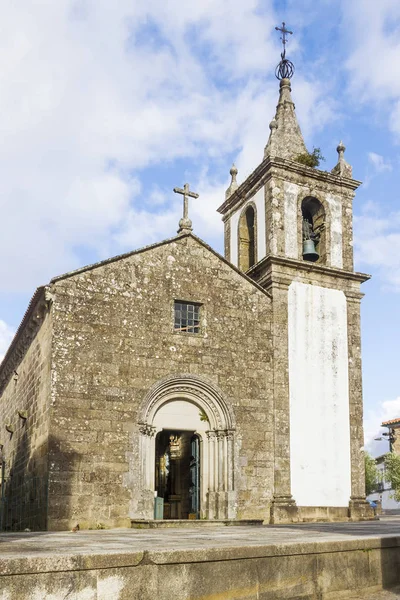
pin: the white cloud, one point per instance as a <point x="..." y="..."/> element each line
<point x="94" y="94"/>
<point x="379" y="164"/>
<point x="377" y="244"/>
<point x="373" y="61"/>
<point x="6" y="335"/>
<point x="385" y="411"/>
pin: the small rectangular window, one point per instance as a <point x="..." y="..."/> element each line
<point x="187" y="317"/>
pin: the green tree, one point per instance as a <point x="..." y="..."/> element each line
<point x="392" y="473"/>
<point x="371" y="474"/>
<point x="310" y="159"/>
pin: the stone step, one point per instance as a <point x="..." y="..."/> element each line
<point x="168" y="523"/>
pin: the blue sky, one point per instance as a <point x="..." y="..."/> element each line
<point x="105" y="107"/>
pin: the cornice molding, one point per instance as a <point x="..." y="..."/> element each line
<point x="264" y="271"/>
<point x="265" y="171"/>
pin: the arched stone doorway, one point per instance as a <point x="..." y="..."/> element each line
<point x="181" y="407"/>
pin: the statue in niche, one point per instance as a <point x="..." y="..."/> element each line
<point x="174" y="447"/>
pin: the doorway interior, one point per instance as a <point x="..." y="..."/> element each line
<point x="177" y="473"/>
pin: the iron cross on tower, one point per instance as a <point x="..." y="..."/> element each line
<point x="284" y="31"/>
<point x="185" y="224"/>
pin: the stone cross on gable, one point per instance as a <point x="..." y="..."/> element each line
<point x="185" y="224"/>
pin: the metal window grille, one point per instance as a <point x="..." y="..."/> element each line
<point x="187" y="317"/>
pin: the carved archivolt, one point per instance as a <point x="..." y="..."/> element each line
<point x="217" y="479"/>
<point x="194" y="388"/>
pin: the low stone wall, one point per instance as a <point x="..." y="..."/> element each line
<point x="316" y="570"/>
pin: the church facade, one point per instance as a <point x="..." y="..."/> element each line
<point x="174" y="383"/>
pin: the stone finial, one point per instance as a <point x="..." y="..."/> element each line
<point x="234" y="184"/>
<point x="343" y="169"/>
<point x="285" y="138"/>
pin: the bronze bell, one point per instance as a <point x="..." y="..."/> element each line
<point x="309" y="251"/>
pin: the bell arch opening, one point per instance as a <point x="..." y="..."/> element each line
<point x="247" y="238"/>
<point x="313" y="230"/>
<point x="186" y="451"/>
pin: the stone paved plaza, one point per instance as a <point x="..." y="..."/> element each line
<point x="308" y="561"/>
<point x="16" y="545"/>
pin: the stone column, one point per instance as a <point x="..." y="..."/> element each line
<point x="283" y="508"/>
<point x="147" y="463"/>
<point x="358" y="506"/>
<point x="212" y="476"/>
<point x="220" y="447"/>
<point x="227" y="238"/>
<point x="221" y="503"/>
<point x="229" y="460"/>
<point x="231" y="504"/>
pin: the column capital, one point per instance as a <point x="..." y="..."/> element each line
<point x="230" y="434"/>
<point x="146" y="429"/>
<point x="353" y="296"/>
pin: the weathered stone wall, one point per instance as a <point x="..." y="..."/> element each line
<point x="396" y="442"/>
<point x="114" y="338"/>
<point x="233" y="233"/>
<point x="286" y="184"/>
<point x="276" y="275"/>
<point x="25" y="451"/>
<point x="284" y="194"/>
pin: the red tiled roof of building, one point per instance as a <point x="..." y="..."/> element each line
<point x="391" y="422"/>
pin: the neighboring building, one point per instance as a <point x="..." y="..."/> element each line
<point x="384" y="492"/>
<point x="228" y="387"/>
<point x="392" y="436"/>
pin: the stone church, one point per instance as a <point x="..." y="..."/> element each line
<point x="173" y="383"/>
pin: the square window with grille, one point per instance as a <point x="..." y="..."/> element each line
<point x="187" y="317"/>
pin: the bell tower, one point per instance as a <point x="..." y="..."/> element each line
<point x="289" y="227"/>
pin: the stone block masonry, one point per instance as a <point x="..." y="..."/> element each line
<point x="113" y="338"/>
<point x="24" y="425"/>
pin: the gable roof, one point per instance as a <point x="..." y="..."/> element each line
<point x="108" y="261"/>
<point x="40" y="291"/>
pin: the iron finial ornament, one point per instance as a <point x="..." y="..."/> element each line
<point x="285" y="69"/>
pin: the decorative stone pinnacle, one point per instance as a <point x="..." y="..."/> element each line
<point x="185" y="224"/>
<point x="341" y="149"/>
<point x="343" y="169"/>
<point x="285" y="139"/>
<point x="234" y="184"/>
